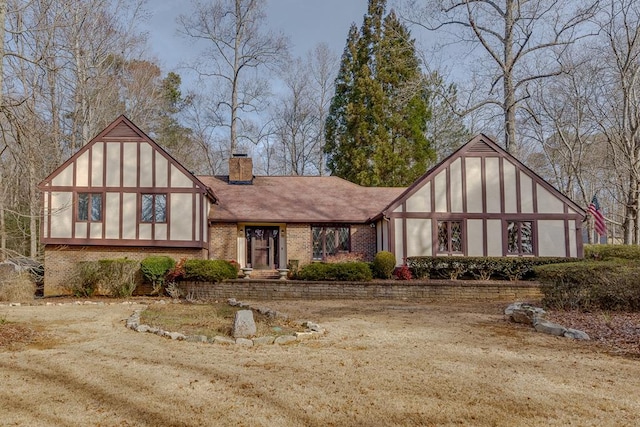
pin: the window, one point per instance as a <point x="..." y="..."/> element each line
<point x="520" y="237"/>
<point x="329" y="240"/>
<point x="90" y="207"/>
<point x="154" y="208"/>
<point x="450" y="237"/>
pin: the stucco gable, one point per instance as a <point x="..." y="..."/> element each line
<point x="74" y="172"/>
<point x="481" y="146"/>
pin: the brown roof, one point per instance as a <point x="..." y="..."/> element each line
<point x="302" y="199"/>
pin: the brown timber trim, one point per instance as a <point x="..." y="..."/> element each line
<point x="448" y="186"/>
<point x="121" y="164"/>
<point x="534" y="195"/>
<point x="140" y="190"/>
<point x="485" y="242"/>
<point x="502" y="191"/>
<point x="404" y="233"/>
<point x="483" y="176"/>
<point x="460" y="216"/>
<point x="567" y="243"/>
<point x="104" y="164"/>
<point x="463" y="177"/>
<point x="126" y="243"/>
<point x="518" y="192"/>
<point x="392" y="235"/>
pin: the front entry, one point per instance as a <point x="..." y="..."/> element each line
<point x="262" y="247"/>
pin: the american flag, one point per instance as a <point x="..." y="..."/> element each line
<point x="594" y="210"/>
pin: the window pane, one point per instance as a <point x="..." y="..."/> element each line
<point x="83" y="207"/>
<point x="96" y="207"/>
<point x="527" y="237"/>
<point x="331" y="241"/>
<point x="161" y="208"/>
<point x="512" y="237"/>
<point x="443" y="236"/>
<point x="147" y="208"/>
<point x="316" y="235"/>
<point x="343" y="239"/>
<point x="456" y="236"/>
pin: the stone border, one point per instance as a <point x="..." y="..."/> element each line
<point x="520" y="312"/>
<point x="313" y="330"/>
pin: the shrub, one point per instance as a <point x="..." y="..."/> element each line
<point x="605" y="252"/>
<point x="588" y="285"/>
<point x="114" y="277"/>
<point x="403" y="272"/>
<point x="209" y="270"/>
<point x="154" y="270"/>
<point x="454" y="267"/>
<point x="345" y="257"/>
<point x="345" y="271"/>
<point x="16" y="287"/>
<point x="383" y="264"/>
<point x="119" y="276"/>
<point x="176" y="272"/>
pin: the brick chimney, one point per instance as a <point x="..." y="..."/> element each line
<point x="240" y="169"/>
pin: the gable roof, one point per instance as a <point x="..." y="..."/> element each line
<point x="123" y="129"/>
<point x="479" y="145"/>
<point x="297" y="199"/>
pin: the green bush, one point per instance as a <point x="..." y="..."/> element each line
<point x="455" y="267"/>
<point x="86" y="279"/>
<point x="342" y="271"/>
<point x="154" y="270"/>
<point x="588" y="285"/>
<point x="605" y="252"/>
<point x="209" y="270"/>
<point x="383" y="265"/>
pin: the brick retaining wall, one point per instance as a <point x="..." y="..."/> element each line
<point x="293" y="289"/>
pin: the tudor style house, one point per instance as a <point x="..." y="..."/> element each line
<point x="122" y="195"/>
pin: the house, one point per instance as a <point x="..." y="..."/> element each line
<point x="122" y="195"/>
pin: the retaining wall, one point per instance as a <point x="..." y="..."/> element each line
<point x="431" y="290"/>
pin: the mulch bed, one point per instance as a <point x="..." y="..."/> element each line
<point x="618" y="332"/>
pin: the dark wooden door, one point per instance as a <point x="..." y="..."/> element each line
<point x="262" y="247"/>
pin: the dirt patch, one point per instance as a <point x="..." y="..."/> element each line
<point x="381" y="363"/>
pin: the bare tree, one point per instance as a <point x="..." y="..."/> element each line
<point x="237" y="47"/>
<point x="618" y="104"/>
<point x="523" y="42"/>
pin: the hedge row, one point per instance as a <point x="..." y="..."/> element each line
<point x="483" y="268"/>
<point x="115" y="277"/>
<point x="591" y="285"/>
<point x="606" y="252"/>
<point x="340" y="271"/>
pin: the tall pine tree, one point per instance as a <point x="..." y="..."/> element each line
<point x="376" y="126"/>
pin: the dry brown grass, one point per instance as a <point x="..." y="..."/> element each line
<point x="381" y="363"/>
<point x="16" y="287"/>
<point x="209" y="319"/>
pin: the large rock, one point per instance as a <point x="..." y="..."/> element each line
<point x="576" y="334"/>
<point x="243" y="325"/>
<point x="550" y="328"/>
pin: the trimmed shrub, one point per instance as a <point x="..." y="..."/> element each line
<point x="383" y="264"/>
<point x="209" y="270"/>
<point x="605" y="252"/>
<point x="588" y="285"/>
<point x="345" y="271"/>
<point x="455" y="267"/>
<point x="86" y="280"/>
<point x="403" y="272"/>
<point x="154" y="270"/>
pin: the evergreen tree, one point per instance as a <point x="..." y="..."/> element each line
<point x="376" y="126"/>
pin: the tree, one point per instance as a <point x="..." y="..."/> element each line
<point x="524" y="42"/>
<point x="238" y="48"/>
<point x="375" y="131"/>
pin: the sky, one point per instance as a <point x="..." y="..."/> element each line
<point x="306" y="22"/>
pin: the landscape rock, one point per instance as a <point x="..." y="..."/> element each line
<point x="196" y="338"/>
<point x="222" y="340"/>
<point x="285" y="339"/>
<point x="232" y="302"/>
<point x="304" y="335"/>
<point x="524" y="315"/>
<point x="550" y="328"/>
<point x="142" y="328"/>
<point x="268" y="340"/>
<point x="177" y="336"/>
<point x="244" y="342"/>
<point x="243" y="324"/>
<point x="576" y="334"/>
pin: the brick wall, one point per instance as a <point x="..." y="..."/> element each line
<point x="60" y="261"/>
<point x="223" y="241"/>
<point x="291" y="289"/>
<point x="299" y="243"/>
<point x="363" y="240"/>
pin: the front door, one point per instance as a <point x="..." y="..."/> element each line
<point x="262" y="247"/>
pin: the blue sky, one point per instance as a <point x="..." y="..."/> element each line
<point x="306" y="22"/>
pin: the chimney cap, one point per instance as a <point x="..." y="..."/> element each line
<point x="240" y="155"/>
